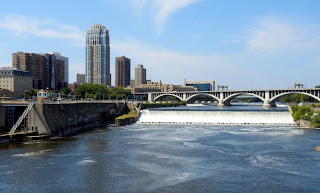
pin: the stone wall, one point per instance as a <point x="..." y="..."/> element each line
<point x="306" y="124"/>
<point x="71" y="118"/>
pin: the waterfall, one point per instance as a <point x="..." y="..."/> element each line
<point x="216" y="117"/>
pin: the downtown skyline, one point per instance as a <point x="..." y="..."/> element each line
<point x="245" y="45"/>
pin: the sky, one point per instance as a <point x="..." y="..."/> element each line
<point x="245" y="44"/>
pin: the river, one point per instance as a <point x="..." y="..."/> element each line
<point x="166" y="158"/>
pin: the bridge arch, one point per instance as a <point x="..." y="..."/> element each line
<point x="233" y="96"/>
<point x="167" y="94"/>
<point x="273" y="99"/>
<point x="200" y="94"/>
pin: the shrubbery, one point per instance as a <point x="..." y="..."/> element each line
<point x="316" y="120"/>
<point x="297" y="98"/>
<point x="306" y="113"/>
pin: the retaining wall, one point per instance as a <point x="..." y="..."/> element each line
<point x="69" y="119"/>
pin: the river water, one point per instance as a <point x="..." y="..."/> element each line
<point x="167" y="158"/>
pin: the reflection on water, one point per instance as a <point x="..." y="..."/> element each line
<point x="166" y="158"/>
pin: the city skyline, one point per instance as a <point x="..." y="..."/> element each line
<point x="245" y="45"/>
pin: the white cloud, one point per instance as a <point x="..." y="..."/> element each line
<point x="26" y="26"/>
<point x="316" y="60"/>
<point x="230" y="41"/>
<point x="271" y="49"/>
<point x="166" y="8"/>
<point x="173" y="67"/>
<point x="272" y="35"/>
<point x="138" y="4"/>
<point x="161" y="9"/>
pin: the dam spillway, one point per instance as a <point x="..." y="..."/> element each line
<point x="280" y="116"/>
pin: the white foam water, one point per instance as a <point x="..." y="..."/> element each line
<point x="217" y="117"/>
<point x="86" y="161"/>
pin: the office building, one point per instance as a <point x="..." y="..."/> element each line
<point x="140" y="75"/>
<point x="34" y="63"/>
<point x="122" y="68"/>
<point x="97" y="55"/>
<point x="201" y="85"/>
<point x="66" y="65"/>
<point x="159" y="87"/>
<point x="81" y="78"/>
<point x="15" y="81"/>
<point x="132" y="83"/>
<point x="47" y="70"/>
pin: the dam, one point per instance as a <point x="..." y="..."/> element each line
<point x="252" y="115"/>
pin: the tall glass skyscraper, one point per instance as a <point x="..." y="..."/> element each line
<point x="98" y="55"/>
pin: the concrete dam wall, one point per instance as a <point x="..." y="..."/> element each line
<point x="71" y="118"/>
<point x="216" y="117"/>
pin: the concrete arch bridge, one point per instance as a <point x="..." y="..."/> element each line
<point x="269" y="97"/>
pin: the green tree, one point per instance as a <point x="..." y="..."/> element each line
<point x="29" y="94"/>
<point x="65" y="91"/>
<point x="89" y="90"/>
<point x="316" y="120"/>
<point x="318" y="86"/>
<point x="121" y="93"/>
<point x="304" y="113"/>
<point x="297" y="98"/>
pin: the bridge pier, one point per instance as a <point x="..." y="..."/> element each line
<point x="150" y="97"/>
<point x="266" y="103"/>
<point x="221" y="104"/>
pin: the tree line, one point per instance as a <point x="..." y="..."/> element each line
<point x="86" y="90"/>
<point x="97" y="91"/>
<point x="297" y="98"/>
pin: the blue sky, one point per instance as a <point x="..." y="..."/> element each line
<point x="245" y="44"/>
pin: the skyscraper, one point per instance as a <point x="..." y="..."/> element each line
<point x="140" y="75"/>
<point x="47" y="70"/>
<point x="66" y="65"/>
<point x="98" y="55"/>
<point x="122" y="66"/>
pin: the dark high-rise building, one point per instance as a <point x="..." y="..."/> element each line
<point x="66" y="65"/>
<point x="47" y="70"/>
<point x="122" y="67"/>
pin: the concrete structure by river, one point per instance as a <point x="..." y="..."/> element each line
<point x="57" y="118"/>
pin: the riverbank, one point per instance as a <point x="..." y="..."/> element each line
<point x="307" y="115"/>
